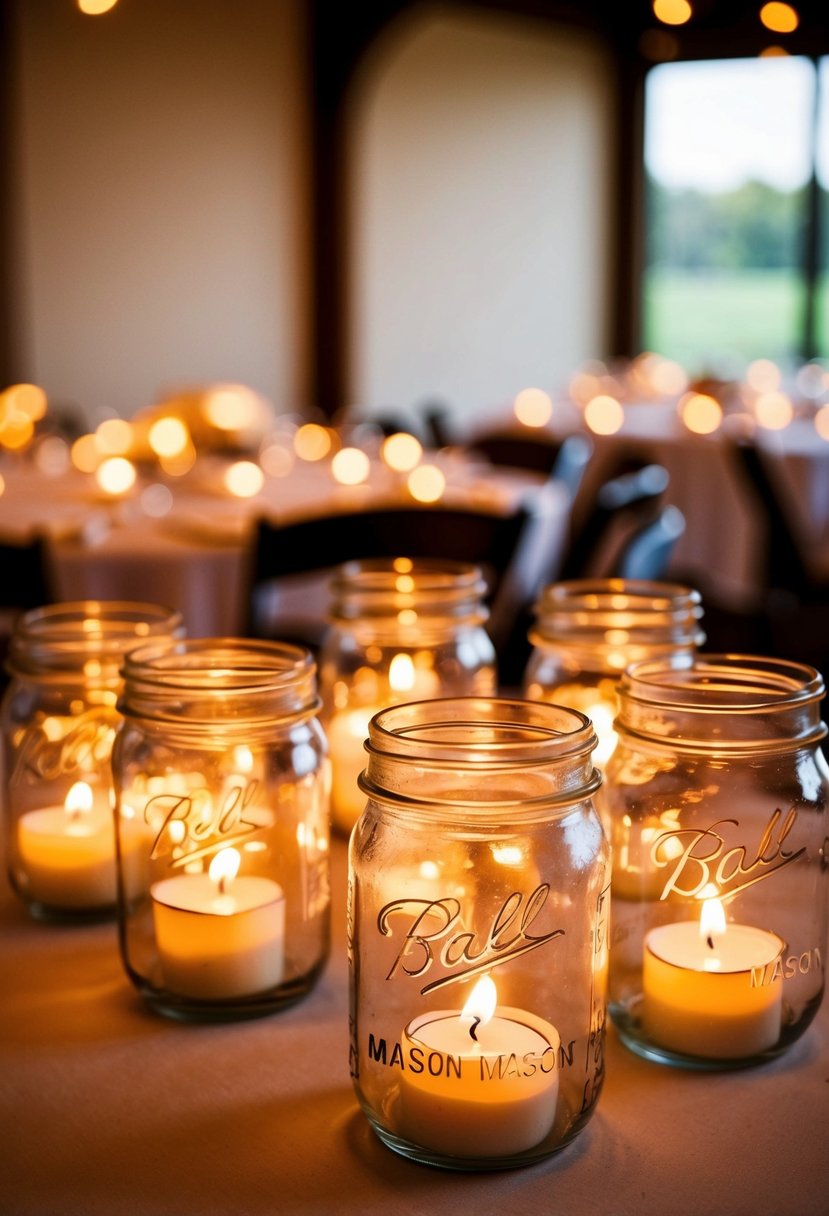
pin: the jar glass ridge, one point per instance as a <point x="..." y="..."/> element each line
<point x="479" y="866"/>
<point x="717" y="796"/>
<point x="222" y="785"/>
<point x="59" y="720"/>
<point x="400" y="630"/>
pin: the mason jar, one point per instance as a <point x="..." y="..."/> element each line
<point x="479" y="883"/>
<point x="400" y="630"/>
<point x="222" y="783"/>
<point x="59" y="719"/>
<point x="588" y="631"/>
<point x="717" y="793"/>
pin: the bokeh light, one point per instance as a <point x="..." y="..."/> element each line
<point x="763" y="375"/>
<point x="244" y="479"/>
<point x="780" y="18"/>
<point x="350" y="467"/>
<point x="773" y="411"/>
<point x="533" y="407"/>
<point x="672" y="12"/>
<point x="822" y="422"/>
<point x="312" y="442"/>
<point x="426" y="483"/>
<point x="115" y="475"/>
<point x="401" y="451"/>
<point x="114" y="437"/>
<point x="168" y="437"/>
<point x="604" y="415"/>
<point x="700" y="413"/>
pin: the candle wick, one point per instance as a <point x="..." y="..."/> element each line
<point x="710" y="941"/>
<point x="474" y="1028"/>
<point x="223" y="887"/>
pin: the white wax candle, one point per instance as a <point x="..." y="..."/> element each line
<point x="705" y="994"/>
<point x="346" y="732"/>
<point x="219" y="939"/>
<point x="67" y="853"/>
<point x="493" y="1095"/>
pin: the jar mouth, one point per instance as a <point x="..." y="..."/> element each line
<point x="735" y="682"/>
<point x="62" y="637"/>
<point x="217" y="665"/>
<point x="599" y="608"/>
<point x="388" y="587"/>
<point x="481" y="731"/>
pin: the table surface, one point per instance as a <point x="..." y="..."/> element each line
<point x="108" y="1108"/>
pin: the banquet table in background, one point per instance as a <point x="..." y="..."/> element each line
<point x="106" y="1108"/>
<point x="193" y="556"/>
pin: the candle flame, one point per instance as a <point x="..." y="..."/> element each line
<point x="224" y="867"/>
<point x="481" y="1004"/>
<point x="712" y="921"/>
<point x="402" y="673"/>
<point x="79" y="800"/>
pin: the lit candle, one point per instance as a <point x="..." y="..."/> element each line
<point x="482" y="1083"/>
<point x="67" y="853"/>
<point x="706" y="989"/>
<point x="219" y="936"/>
<point x="347" y="731"/>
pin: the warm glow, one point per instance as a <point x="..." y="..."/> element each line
<point x="533" y="407"/>
<point x="85" y="456"/>
<point x="712" y="919"/>
<point x="233" y="408"/>
<point x="700" y="413"/>
<point x="781" y="18"/>
<point x="276" y="460"/>
<point x="667" y="377"/>
<point x="429" y="870"/>
<point x="115" y="475"/>
<point x="602" y="716"/>
<point x="168" y="437"/>
<point x="225" y="866"/>
<point x="244" y="479"/>
<point x="426" y="483"/>
<point x="773" y="411"/>
<point x="16" y="429"/>
<point x="822" y="422"/>
<point x="482" y="1000"/>
<point x="156" y="500"/>
<point x="2" y="485"/>
<point x="180" y="463"/>
<point x="95" y="8"/>
<point x="763" y="375"/>
<point x="114" y="437"/>
<point x="672" y="12"/>
<point x="508" y="854"/>
<point x="312" y="442"/>
<point x="350" y="467"/>
<point x="401" y="452"/>
<point x="79" y="800"/>
<point x="52" y="455"/>
<point x="604" y="415"/>
<point x="28" y="399"/>
<point x="402" y="673"/>
<point x="242" y="759"/>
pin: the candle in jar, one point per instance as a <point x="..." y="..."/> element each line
<point x="67" y="853"/>
<point x="219" y="936"/>
<point x="704" y="987"/>
<point x="479" y="1083"/>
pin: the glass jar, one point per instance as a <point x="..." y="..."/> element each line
<point x="222" y="785"/>
<point x="478" y="920"/>
<point x="717" y="793"/>
<point x="587" y="632"/>
<point x="59" y="720"/>
<point x="400" y="630"/>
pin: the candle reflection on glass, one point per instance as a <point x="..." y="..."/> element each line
<point x="67" y="853"/>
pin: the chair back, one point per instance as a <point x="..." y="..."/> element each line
<point x="647" y="553"/>
<point x="784" y="566"/>
<point x="620" y="506"/>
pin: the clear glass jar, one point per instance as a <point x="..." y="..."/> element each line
<point x="222" y="785"/>
<point x="717" y="793"/>
<point x="59" y="719"/>
<point x="478" y="931"/>
<point x="400" y="630"/>
<point x="589" y="630"/>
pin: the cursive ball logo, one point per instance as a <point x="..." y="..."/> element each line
<point x="193" y="825"/>
<point x="705" y="859"/>
<point x="86" y="744"/>
<point x="432" y="934"/>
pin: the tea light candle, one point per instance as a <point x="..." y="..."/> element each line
<point x="67" y="853"/>
<point x="482" y="1083"/>
<point x="219" y="936"/>
<point x="704" y="989"/>
<point x="347" y="731"/>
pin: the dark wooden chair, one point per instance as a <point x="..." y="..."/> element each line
<point x="621" y="506"/>
<point x="24" y="583"/>
<point x="647" y="552"/>
<point x="517" y="553"/>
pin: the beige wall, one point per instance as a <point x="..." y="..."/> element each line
<point x="481" y="194"/>
<point x="161" y="198"/>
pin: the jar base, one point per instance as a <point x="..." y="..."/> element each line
<point x="55" y="915"/>
<point x="471" y="1165"/>
<point x="188" y="1009"/>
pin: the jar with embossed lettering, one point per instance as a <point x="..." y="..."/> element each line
<point x="717" y="793"/>
<point x="478" y="917"/>
<point x="59" y="719"/>
<point x="222" y="788"/>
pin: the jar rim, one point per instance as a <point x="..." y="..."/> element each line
<point x="734" y="682"/>
<point x="62" y="636"/>
<point x="375" y="587"/>
<point x="217" y="665"/>
<point x="481" y="731"/>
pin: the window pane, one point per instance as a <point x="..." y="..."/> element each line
<point x="727" y="150"/>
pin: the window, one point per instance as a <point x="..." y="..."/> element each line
<point x="730" y="149"/>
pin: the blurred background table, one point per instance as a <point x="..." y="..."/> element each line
<point x="107" y="1108"/>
